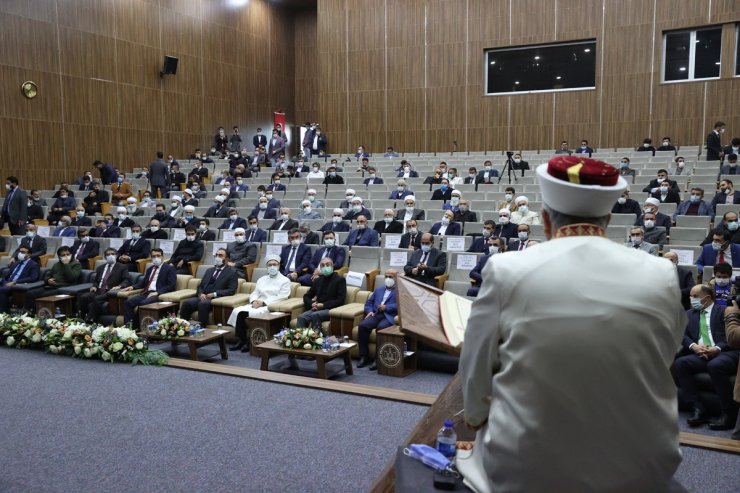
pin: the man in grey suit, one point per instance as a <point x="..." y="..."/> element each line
<point x="15" y="207"/>
<point x="637" y="241"/>
<point x="277" y="147"/>
<point x="158" y="176"/>
<point x="241" y="252"/>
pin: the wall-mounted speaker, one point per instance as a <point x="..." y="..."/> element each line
<point x="169" y="67"/>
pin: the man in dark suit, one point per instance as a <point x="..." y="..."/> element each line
<point x="372" y="178"/>
<point x="388" y="224"/>
<point x="253" y="232"/>
<point x="626" y="205"/>
<point x="284" y="222"/>
<point x="84" y="248"/>
<point x="35" y="244"/>
<point x="159" y="176"/>
<point x="188" y="250"/>
<point x="122" y="220"/>
<point x="411" y="239"/>
<point x="263" y="210"/>
<point x="218" y="209"/>
<point x="446" y="227"/>
<point x="381" y="309"/>
<point x="241" y="252"/>
<point x="332" y="177"/>
<point x="409" y="211"/>
<point x="406" y="172"/>
<point x="307" y="236"/>
<point x="479" y="244"/>
<point x="720" y="250"/>
<point x="24" y="271"/>
<point x="463" y="214"/>
<point x="487" y="175"/>
<point x="725" y="195"/>
<point x="328" y="291"/>
<point x="220" y="280"/>
<point x="159" y="279"/>
<point x="337" y="223"/>
<point x="106" y="228"/>
<point x="654" y="234"/>
<point x="276" y="146"/>
<point x="714" y="142"/>
<point x="133" y="250"/>
<point x="357" y="209"/>
<point x="666" y="194"/>
<point x="522" y="243"/>
<point x="329" y="250"/>
<point x="685" y="279"/>
<point x="295" y="258"/>
<point x="444" y="192"/>
<point x="107" y="174"/>
<point x="661" y="179"/>
<point x="661" y="220"/>
<point x="259" y="139"/>
<point x="67" y="272"/>
<point x="427" y="263"/>
<point x="401" y="191"/>
<point x="493" y="246"/>
<point x="109" y="278"/>
<point x="705" y="348"/>
<point x="154" y="232"/>
<point x="505" y="228"/>
<point x="729" y="223"/>
<point x="233" y="221"/>
<point x="204" y="233"/>
<point x="80" y="218"/>
<point x="15" y="207"/>
<point x="362" y="236"/>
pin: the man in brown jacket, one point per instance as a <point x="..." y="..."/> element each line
<point x="732" y="329"/>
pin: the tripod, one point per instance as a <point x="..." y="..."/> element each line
<point x="508" y="169"/>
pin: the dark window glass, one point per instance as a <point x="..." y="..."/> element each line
<point x="541" y="68"/>
<point x="677" y="52"/>
<point x="708" y="51"/>
<point x="737" y="52"/>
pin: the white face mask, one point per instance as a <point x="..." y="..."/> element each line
<point x="503" y="219"/>
<point x="412" y="231"/>
<point x="329" y="242"/>
<point x="361" y="226"/>
<point x="233" y="217"/>
<point x="272" y="271"/>
<point x="649" y="223"/>
<point x="455" y="201"/>
<point x="21" y="256"/>
<point x="218" y="261"/>
<point x="622" y="200"/>
<point x="523" y="209"/>
<point x="311" y="198"/>
<point x="508" y="197"/>
<point x="307" y="210"/>
<point x="336" y="219"/>
<point x="409" y="208"/>
<point x="445" y="220"/>
<point x="356" y="208"/>
<point x="135" y="236"/>
<point x="401" y="189"/>
<point x="153" y="229"/>
<point x="721" y="282"/>
<point x="390" y="282"/>
<point x="636" y="239"/>
<point x="111" y="259"/>
<point x="295" y="243"/>
<point x="388" y="219"/>
<point x="157" y="261"/>
<point x="190" y="237"/>
<point x="284" y="217"/>
<point x="240" y="238"/>
<point x="523" y="235"/>
<point x="269" y="196"/>
<point x="263" y="205"/>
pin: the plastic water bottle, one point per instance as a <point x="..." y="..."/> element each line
<point x="57" y="312"/>
<point x="446" y="439"/>
<point x="405" y="348"/>
<point x="325" y="345"/>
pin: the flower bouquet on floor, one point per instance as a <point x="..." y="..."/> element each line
<point x="300" y="338"/>
<point x="170" y="328"/>
<point x="21" y="331"/>
<point x="68" y="337"/>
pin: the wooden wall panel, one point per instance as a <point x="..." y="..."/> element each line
<point x="97" y="65"/>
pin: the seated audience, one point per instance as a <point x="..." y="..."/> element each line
<point x="234" y="221"/>
<point x="330" y="250"/>
<point x="653" y="234"/>
<point x="389" y="224"/>
<point x="656" y="183"/>
<point x="493" y="246"/>
<point x="24" y="271"/>
<point x="426" y="263"/>
<point x="311" y="196"/>
<point x="362" y="236"/>
<point x="61" y="207"/>
<point x="121" y="189"/>
<point x="446" y="227"/>
<point x="218" y="281"/>
<point x="695" y="206"/>
<point x="563" y="149"/>
<point x="160" y="278"/>
<point x="625" y="170"/>
<point x="626" y="205"/>
<point x="666" y="145"/>
<point x="487" y="175"/>
<point x="454" y="203"/>
<point x="187" y="251"/>
<point x="409" y="211"/>
<point x="585" y="148"/>
<point x="36" y="245"/>
<point x="263" y="211"/>
<point x="307" y="212"/>
<point x="731" y="167"/>
<point x="372" y="177"/>
<point x="358" y="209"/>
<point x="154" y="232"/>
<point x="133" y="250"/>
<point x="66" y="272"/>
<point x="401" y="191"/>
<point x="720" y="250"/>
<point x="637" y="241"/>
<point x="110" y="277"/>
<point x="380" y="311"/>
<point x="665" y="194"/>
<point x="411" y="239"/>
<point x="84" y="248"/>
<point x="508" y="202"/>
<point x="724" y="288"/>
<point x="284" y="222"/>
<point x="295" y="258"/>
<point x="729" y="224"/>
<point x="523" y="242"/>
<point x="647" y="146"/>
<point x="65" y="228"/>
<point x="328" y="291"/>
<point x="464" y="214"/>
<point x="685" y="278"/>
<point x="444" y="192"/>
<point x="348" y="196"/>
<point x="522" y="214"/>
<point x="332" y="177"/>
<point x="337" y="222"/>
<point x="651" y="206"/>
<point x="204" y="233"/>
<point x="406" y="171"/>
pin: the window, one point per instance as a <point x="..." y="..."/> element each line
<point x="737" y="50"/>
<point x="552" y="67"/>
<point x="692" y="55"/>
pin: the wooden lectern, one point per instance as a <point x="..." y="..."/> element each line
<point x="435" y="317"/>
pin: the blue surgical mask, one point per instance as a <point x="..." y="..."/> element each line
<point x="443" y="188"/>
<point x="426" y="248"/>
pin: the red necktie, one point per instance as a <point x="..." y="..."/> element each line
<point x="522" y="245"/>
<point x="151" y="279"/>
<point x="721" y="257"/>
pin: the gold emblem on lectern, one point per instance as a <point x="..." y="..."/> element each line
<point x="390" y="355"/>
<point x="258" y="336"/>
<point x="44" y="313"/>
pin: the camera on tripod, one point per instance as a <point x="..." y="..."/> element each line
<point x="509" y="154"/>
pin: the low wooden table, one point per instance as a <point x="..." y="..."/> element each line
<point x="46" y="306"/>
<point x="153" y="312"/>
<point x="196" y="341"/>
<point x="269" y="349"/>
<point x="261" y="328"/>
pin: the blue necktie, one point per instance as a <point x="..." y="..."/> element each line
<point x="18" y="271"/>
<point x="6" y="205"/>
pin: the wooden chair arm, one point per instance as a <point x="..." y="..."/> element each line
<point x="43" y="259"/>
<point x="441" y="279"/>
<point x="370" y="275"/>
<point x="141" y="264"/>
<point x="40" y="222"/>
<point x="128" y="294"/>
<point x="249" y="269"/>
<point x="193" y="266"/>
<point x="91" y="261"/>
<point x="343" y="271"/>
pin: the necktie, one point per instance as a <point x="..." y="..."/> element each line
<point x="703" y="329"/>
<point x="359" y="236"/>
<point x="721" y="257"/>
<point x="80" y="250"/>
<point x="251" y="236"/>
<point x="523" y="245"/>
<point x="150" y="284"/>
<point x="17" y="271"/>
<point x="212" y="282"/>
<point x="6" y="205"/>
<point x="103" y="286"/>
<point x="325" y="254"/>
<point x="424" y="258"/>
<point x="291" y="257"/>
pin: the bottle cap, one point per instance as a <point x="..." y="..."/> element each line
<point x="448" y="423"/>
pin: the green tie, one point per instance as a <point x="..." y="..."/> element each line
<point x="703" y="329"/>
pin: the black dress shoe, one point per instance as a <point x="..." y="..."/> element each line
<point x="373" y="367"/>
<point x="363" y="362"/>
<point x="724" y="422"/>
<point x="245" y="348"/>
<point x="237" y="347"/>
<point x="697" y="419"/>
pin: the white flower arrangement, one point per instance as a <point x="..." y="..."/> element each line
<point x="300" y="338"/>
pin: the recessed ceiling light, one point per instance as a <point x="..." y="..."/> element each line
<point x="516" y="82"/>
<point x="587" y="50"/>
<point x="537" y="57"/>
<point x="717" y="63"/>
<point x="493" y="62"/>
<point x="558" y="77"/>
<point x="682" y="69"/>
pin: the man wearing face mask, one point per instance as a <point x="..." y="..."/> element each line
<point x="188" y="218"/>
<point x="35" y="244"/>
<point x="218" y="209"/>
<point x="409" y="211"/>
<point x="24" y="271"/>
<point x="349" y="194"/>
<point x="254" y="234"/>
<point x="155" y="231"/>
<point x="665" y="194"/>
<point x="176" y="178"/>
<point x="64" y="228"/>
<point x="295" y="258"/>
<point x="637" y="241"/>
<point x="362" y="235"/>
<point x="372" y="178"/>
<point x="730" y="168"/>
<point x="520" y="164"/>
<point x="241" y="252"/>
<point x="493" y="246"/>
<point x="666" y="145"/>
<point x="661" y="220"/>
<point x="59" y="208"/>
<point x="259" y="139"/>
<point x="277" y="185"/>
<point x="357" y="210"/>
<point x="330" y="250"/>
<point x="81" y="218"/>
<point x="380" y="310"/>
<point x="328" y="291"/>
<point x="661" y="180"/>
<point x="122" y="220"/>
<point x="307" y="236"/>
<point x="585" y="148"/>
<point x="446" y="227"/>
<point x="106" y="228"/>
<point x="406" y="171"/>
<point x="444" y="192"/>
<point x="332" y="177"/>
<point x="653" y="234"/>
<point x="728" y="224"/>
<point x="188" y="198"/>
<point x="175" y="209"/>
<point x="263" y="209"/>
<point x="724" y="289"/>
<point x="234" y="221"/>
<point x="454" y="202"/>
<point x="725" y="195"/>
<point x="720" y="250"/>
<point x="426" y="263"/>
<point x="218" y="281"/>
<point x="522" y="214"/>
<point x="284" y="222"/>
<point x="109" y="278"/>
<point x="625" y="170"/>
<point x="487" y="174"/>
<point x="336" y="223"/>
<point x="714" y="142"/>
<point x="647" y="146"/>
<point x="15" y="207"/>
<point x="159" y="279"/>
<point x="131" y="209"/>
<point x="388" y="224"/>
<point x="705" y="349"/>
<point x="523" y="241"/>
<point x="311" y="197"/>
<point x="269" y="289"/>
<point x="480" y="243"/>
<point x="66" y="272"/>
<point x="204" y="233"/>
<point x="508" y="202"/>
<point x="464" y="214"/>
<point x="307" y="212"/>
<point x="84" y="248"/>
<point x="220" y="141"/>
<point x="121" y="189"/>
<point x="695" y="206"/>
<point x="188" y="250"/>
<point x="133" y="250"/>
<point x="626" y="205"/>
<point x="680" y="168"/>
<point x="316" y="174"/>
<point x="276" y="147"/>
<point x="411" y="239"/>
